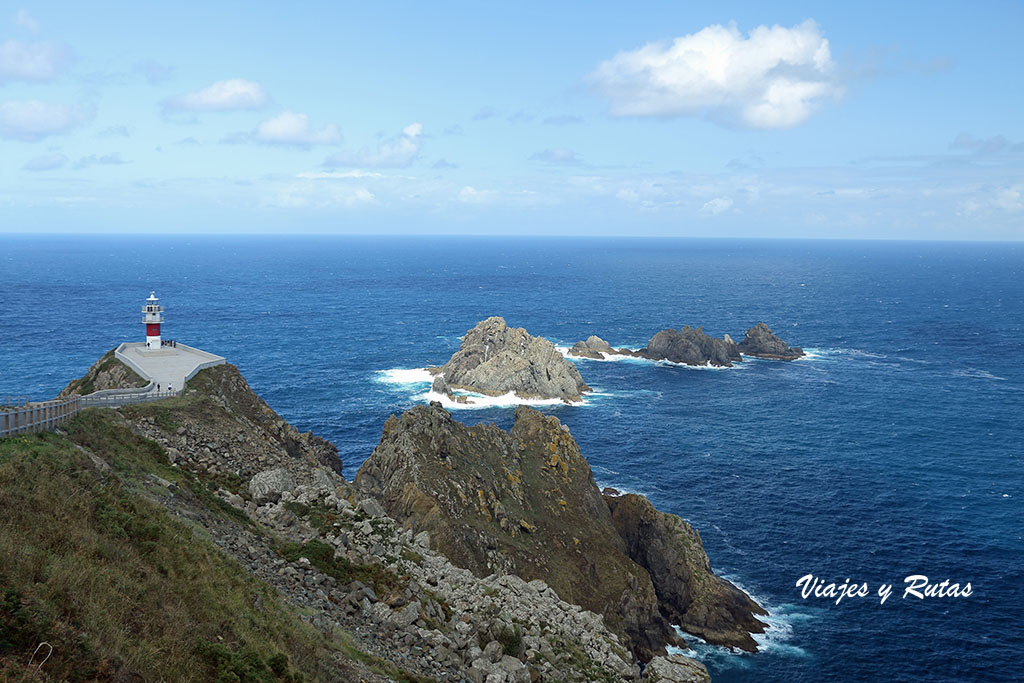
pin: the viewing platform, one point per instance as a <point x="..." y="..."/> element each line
<point x="168" y="366"/>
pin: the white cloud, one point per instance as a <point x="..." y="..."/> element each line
<point x="988" y="201"/>
<point x="31" y="120"/>
<point x="232" y="94"/>
<point x="31" y="61"/>
<point x="716" y="206"/>
<point x="113" y="159"/>
<point x="486" y="113"/>
<point x="319" y="196"/>
<point x="25" y="20"/>
<point x="47" y="162"/>
<point x="115" y="131"/>
<point x="471" y="195"/>
<point x="154" y="72"/>
<point x="774" y="78"/>
<point x="558" y="155"/>
<point x="1010" y="199"/>
<point x="325" y="175"/>
<point x="290" y="128"/>
<point x="562" y="120"/>
<point x="397" y="152"/>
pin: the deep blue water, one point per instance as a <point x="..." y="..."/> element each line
<point x="893" y="450"/>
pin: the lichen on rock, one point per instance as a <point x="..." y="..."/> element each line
<point x="524" y="502"/>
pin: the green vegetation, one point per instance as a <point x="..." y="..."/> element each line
<point x="321" y="556"/>
<point x="134" y="457"/>
<point x="317" y="514"/>
<point x="108" y="365"/>
<point x="120" y="590"/>
<point x="511" y="640"/>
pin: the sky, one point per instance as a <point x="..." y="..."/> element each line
<point x="821" y="120"/>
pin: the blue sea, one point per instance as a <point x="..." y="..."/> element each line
<point x="893" y="449"/>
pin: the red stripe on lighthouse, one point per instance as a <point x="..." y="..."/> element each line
<point x="152" y="329"/>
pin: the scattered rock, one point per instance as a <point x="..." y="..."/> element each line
<point x="593" y="347"/>
<point x="675" y="669"/>
<point x="371" y="507"/>
<point x="693" y="347"/>
<point x="267" y="486"/>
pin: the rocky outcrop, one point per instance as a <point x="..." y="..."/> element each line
<point x="106" y="373"/>
<point x="495" y="359"/>
<point x="524" y="502"/>
<point x="761" y="342"/>
<point x="693" y="347"/>
<point x="334" y="552"/>
<point x="675" y="669"/>
<point x="689" y="593"/>
<point x="593" y="347"/>
<point x="219" y="426"/>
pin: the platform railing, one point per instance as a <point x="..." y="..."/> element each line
<point x="48" y="415"/>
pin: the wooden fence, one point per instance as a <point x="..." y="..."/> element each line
<point x="47" y="415"/>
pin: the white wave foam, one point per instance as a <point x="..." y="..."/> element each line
<point x="623" y="490"/>
<point x="404" y="376"/>
<point x="774" y="640"/>
<point x="480" y="401"/>
<point x="605" y="357"/>
<point x="977" y="373"/>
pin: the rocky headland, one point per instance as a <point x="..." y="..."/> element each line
<point x="106" y="373"/>
<point x="307" y="576"/>
<point x="524" y="502"/>
<point x="495" y="360"/>
<point x="692" y="346"/>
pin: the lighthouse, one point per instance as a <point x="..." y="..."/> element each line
<point x="152" y="316"/>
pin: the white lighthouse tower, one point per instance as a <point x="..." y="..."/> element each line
<point x="152" y="316"/>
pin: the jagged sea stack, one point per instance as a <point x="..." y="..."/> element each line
<point x="525" y="502"/>
<point x="761" y="342"/>
<point x="496" y="359"/>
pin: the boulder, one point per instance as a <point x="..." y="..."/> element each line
<point x="761" y="342"/>
<point x="268" y="485"/>
<point x="675" y="669"/>
<point x="593" y="347"/>
<point x="495" y="359"/>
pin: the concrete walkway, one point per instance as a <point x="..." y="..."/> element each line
<point x="168" y="366"/>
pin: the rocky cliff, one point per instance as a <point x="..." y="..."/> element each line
<point x="383" y="602"/>
<point x="525" y="502"/>
<point x="106" y="373"/>
<point x="692" y="346"/>
<point x="495" y="359"/>
<point x="689" y="593"/>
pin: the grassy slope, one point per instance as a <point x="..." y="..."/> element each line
<point x="118" y="587"/>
